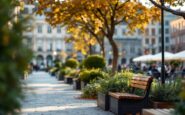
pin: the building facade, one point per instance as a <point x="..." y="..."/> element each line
<point x="46" y="42"/>
<point x="151" y="39"/>
<point x="178" y="35"/>
<point x="129" y="45"/>
<point x="140" y="43"/>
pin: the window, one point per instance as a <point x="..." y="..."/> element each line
<point x="39" y="49"/>
<point x="39" y="29"/>
<point x="139" y="31"/>
<point x="34" y="10"/>
<point x="25" y="11"/>
<point x="147" y="31"/>
<point x="132" y="49"/>
<point x="50" y="47"/>
<point x="123" y="31"/>
<point x="146" y="51"/>
<point x="159" y="39"/>
<point x="49" y="29"/>
<point x="166" y="22"/>
<point x="58" y="29"/>
<point x="159" y="31"/>
<point x="153" y="51"/>
<point x="167" y="48"/>
<point x="167" y="40"/>
<point x="153" y="23"/>
<point x="146" y="41"/>
<point x="160" y="48"/>
<point x="167" y="31"/>
<point x="153" y="41"/>
<point x="115" y="31"/>
<point x="39" y="45"/>
<point x="58" y="45"/>
<point x="153" y="31"/>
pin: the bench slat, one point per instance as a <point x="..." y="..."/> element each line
<point x="141" y="78"/>
<point x="118" y="95"/>
<point x="139" y="82"/>
<point x="139" y="86"/>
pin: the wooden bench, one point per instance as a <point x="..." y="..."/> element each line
<point x="124" y="103"/>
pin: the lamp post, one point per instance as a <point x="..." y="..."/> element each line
<point x="162" y="44"/>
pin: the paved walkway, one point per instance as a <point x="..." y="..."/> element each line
<point x="47" y="96"/>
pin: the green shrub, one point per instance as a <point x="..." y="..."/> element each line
<point x="58" y="64"/>
<point x="119" y="83"/>
<point x="65" y="71"/>
<point x="180" y="106"/>
<point x="73" y="73"/>
<point x="94" y="61"/>
<point x="53" y="70"/>
<point x="175" y="63"/>
<point x="89" y="75"/>
<point x="166" y="92"/>
<point x="91" y="90"/>
<point x="72" y="63"/>
<point x="14" y="58"/>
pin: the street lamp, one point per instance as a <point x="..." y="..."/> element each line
<point x="162" y="43"/>
<point x="54" y="53"/>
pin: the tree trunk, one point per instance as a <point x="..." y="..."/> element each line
<point x="90" y="49"/>
<point x="115" y="54"/>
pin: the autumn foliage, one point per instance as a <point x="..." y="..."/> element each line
<point x="90" y="21"/>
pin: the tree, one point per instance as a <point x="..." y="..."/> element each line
<point x="14" y="57"/>
<point x="169" y="4"/>
<point x="81" y="38"/>
<point x="99" y="16"/>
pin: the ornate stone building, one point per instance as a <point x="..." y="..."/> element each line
<point x="178" y="35"/>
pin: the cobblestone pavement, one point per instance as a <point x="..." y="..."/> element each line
<point x="47" y="96"/>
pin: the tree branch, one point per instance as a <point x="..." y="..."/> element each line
<point x="175" y="12"/>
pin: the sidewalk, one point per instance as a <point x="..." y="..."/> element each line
<point x="47" y="96"/>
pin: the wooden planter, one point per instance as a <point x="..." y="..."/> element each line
<point x="76" y="84"/>
<point x="83" y="84"/>
<point x="103" y="101"/>
<point x="162" y="105"/>
<point x="68" y="80"/>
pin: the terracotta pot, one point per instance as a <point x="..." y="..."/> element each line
<point x="162" y="105"/>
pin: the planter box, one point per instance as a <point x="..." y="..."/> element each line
<point x="68" y="80"/>
<point x="83" y="84"/>
<point x="76" y="84"/>
<point x="162" y="105"/>
<point x="60" y="77"/>
<point x="103" y="101"/>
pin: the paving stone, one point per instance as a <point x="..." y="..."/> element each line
<point x="47" y="96"/>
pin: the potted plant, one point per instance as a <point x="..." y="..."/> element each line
<point x="76" y="80"/>
<point x="76" y="84"/>
<point x="88" y="75"/>
<point x="67" y="78"/>
<point x="90" y="91"/>
<point x="61" y="74"/>
<point x="118" y="83"/>
<point x="165" y="95"/>
<point x="180" y="106"/>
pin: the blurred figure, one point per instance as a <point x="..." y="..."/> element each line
<point x="119" y="68"/>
